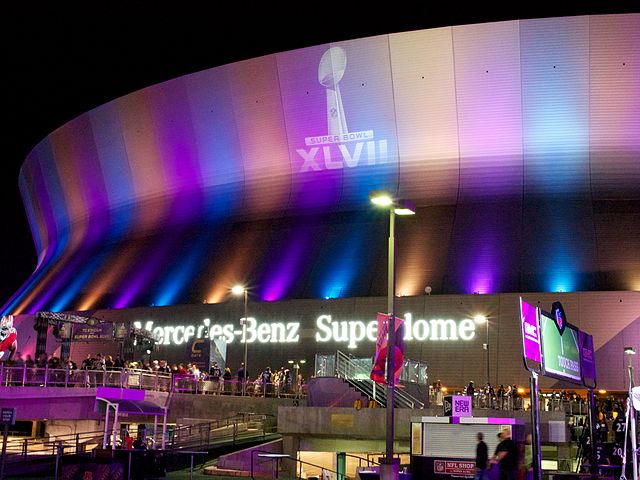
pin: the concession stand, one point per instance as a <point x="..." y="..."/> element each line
<point x="444" y="448"/>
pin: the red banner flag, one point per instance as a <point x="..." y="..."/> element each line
<point x="379" y="366"/>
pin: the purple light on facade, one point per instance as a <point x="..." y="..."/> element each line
<point x="114" y="167"/>
<point x="482" y="285"/>
<point x="177" y="144"/>
<point x="288" y="268"/>
<point x="144" y="272"/>
<point x="49" y="202"/>
<point x="63" y="276"/>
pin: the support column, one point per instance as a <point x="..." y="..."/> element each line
<point x="291" y="446"/>
<point x="535" y="427"/>
<point x="593" y="454"/>
<point x="65" y="348"/>
<point x="41" y="326"/>
<point x="389" y="466"/>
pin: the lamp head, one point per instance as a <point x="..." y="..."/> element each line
<point x="404" y="207"/>
<point x="238" y="290"/>
<point x="630" y="350"/>
<point x="480" y="319"/>
<point x="381" y="198"/>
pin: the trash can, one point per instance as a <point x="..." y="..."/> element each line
<point x="156" y="464"/>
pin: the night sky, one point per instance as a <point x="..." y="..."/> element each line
<point x="59" y="62"/>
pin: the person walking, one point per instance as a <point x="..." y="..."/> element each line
<point x="226" y="381"/>
<point x="267" y="386"/>
<point x="506" y="456"/>
<point x="242" y="378"/>
<point x="214" y="375"/>
<point x="470" y="389"/>
<point x="482" y="459"/>
<point x="527" y="463"/>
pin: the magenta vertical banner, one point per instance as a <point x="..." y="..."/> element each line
<point x="587" y="359"/>
<point x="380" y="364"/>
<point x="530" y="332"/>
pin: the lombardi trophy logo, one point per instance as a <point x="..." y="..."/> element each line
<point x="339" y="148"/>
<point x="330" y="71"/>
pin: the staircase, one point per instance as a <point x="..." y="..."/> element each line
<point x="239" y="428"/>
<point x="357" y="375"/>
<point x="37" y="458"/>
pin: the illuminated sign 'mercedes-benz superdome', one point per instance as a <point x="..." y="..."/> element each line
<point x="348" y="332"/>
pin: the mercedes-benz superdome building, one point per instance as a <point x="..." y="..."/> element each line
<point x="518" y="141"/>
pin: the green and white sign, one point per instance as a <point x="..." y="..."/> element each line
<point x="560" y="352"/>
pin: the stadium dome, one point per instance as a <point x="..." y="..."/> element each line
<point x="518" y="141"/>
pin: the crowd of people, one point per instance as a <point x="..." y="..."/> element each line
<point x="215" y="380"/>
<point x="268" y="382"/>
<point x="509" y="397"/>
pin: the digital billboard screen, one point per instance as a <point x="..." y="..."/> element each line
<point x="560" y="353"/>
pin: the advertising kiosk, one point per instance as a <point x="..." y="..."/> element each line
<point x="444" y="448"/>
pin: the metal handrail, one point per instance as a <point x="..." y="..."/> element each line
<point x="297" y="461"/>
<point x="203" y="434"/>
<point x="348" y="370"/>
<point x="25" y="376"/>
<point x="72" y="442"/>
<point x="368" y="460"/>
<point x="483" y="400"/>
<point x="206" y="434"/>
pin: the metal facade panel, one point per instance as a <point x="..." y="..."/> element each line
<point x="489" y="100"/>
<point x="615" y="106"/>
<point x="555" y="106"/>
<point x="425" y="101"/>
<point x="262" y="133"/>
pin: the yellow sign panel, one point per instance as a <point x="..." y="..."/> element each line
<point x="342" y="420"/>
<point x="416" y="438"/>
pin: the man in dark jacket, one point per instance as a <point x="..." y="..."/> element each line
<point x="507" y="456"/>
<point x="215" y="372"/>
<point x="482" y="457"/>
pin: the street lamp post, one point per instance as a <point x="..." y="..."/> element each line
<point x="482" y="319"/>
<point x="237" y="290"/>
<point x="296" y="364"/>
<point x="389" y="468"/>
<point x="631" y="418"/>
<point x="488" y="376"/>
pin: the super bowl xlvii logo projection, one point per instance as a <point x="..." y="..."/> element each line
<point x="339" y="148"/>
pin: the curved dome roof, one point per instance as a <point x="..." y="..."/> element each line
<point x="519" y="141"/>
